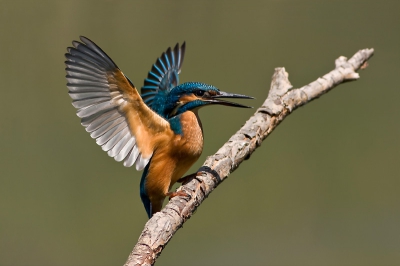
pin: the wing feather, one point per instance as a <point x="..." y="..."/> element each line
<point x="114" y="140"/>
<point x="90" y="101"/>
<point x="132" y="158"/>
<point x="125" y="150"/>
<point x="102" y="120"/>
<point x="110" y="107"/>
<point x="118" y="147"/>
<point x="163" y="76"/>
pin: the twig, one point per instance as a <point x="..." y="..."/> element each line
<point x="281" y="101"/>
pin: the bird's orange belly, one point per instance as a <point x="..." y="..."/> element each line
<point x="171" y="161"/>
<point x="189" y="145"/>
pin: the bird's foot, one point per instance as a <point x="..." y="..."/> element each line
<point x="186" y="179"/>
<point x="177" y="193"/>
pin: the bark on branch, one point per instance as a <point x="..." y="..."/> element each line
<point x="281" y="101"/>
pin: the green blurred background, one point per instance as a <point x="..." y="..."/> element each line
<point x="323" y="189"/>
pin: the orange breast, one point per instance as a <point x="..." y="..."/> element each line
<point x="171" y="161"/>
<point x="189" y="146"/>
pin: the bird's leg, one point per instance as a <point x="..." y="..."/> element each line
<point x="177" y="193"/>
<point x="186" y="179"/>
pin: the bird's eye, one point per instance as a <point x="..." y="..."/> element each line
<point x="199" y="92"/>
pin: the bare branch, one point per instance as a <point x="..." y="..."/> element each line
<point x="281" y="101"/>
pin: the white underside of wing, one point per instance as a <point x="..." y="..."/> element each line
<point x="110" y="129"/>
<point x="99" y="108"/>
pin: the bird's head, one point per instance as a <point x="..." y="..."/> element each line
<point x="193" y="95"/>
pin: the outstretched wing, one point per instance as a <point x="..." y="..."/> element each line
<point x="164" y="76"/>
<point x="110" y="107"/>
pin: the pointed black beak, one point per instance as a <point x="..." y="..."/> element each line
<point x="215" y="99"/>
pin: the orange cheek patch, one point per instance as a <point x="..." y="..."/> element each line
<point x="188" y="98"/>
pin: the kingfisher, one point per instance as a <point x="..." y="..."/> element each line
<point x="158" y="130"/>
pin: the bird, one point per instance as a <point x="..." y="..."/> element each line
<point x="158" y="130"/>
